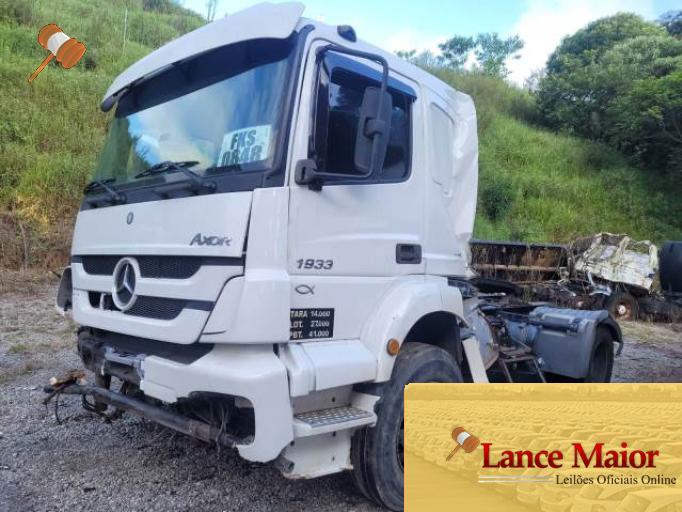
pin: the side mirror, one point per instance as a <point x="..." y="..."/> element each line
<point x="374" y="127"/>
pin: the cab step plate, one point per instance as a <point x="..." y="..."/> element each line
<point x="329" y="420"/>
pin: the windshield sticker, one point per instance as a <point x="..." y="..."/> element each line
<point x="245" y="145"/>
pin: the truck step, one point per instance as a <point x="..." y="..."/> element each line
<point x="514" y="351"/>
<point x="329" y="420"/>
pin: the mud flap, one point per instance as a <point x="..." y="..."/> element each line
<point x="64" y="293"/>
<point x="564" y="338"/>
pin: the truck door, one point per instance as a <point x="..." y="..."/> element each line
<point x="367" y="230"/>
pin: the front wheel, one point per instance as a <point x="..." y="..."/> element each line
<point x="377" y="453"/>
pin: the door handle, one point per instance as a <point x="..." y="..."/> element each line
<point x="410" y="254"/>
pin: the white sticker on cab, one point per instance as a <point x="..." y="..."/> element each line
<point x="245" y="145"/>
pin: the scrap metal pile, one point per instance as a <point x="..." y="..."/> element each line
<point x="605" y="271"/>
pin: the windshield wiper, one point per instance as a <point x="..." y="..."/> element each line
<point x="167" y="166"/>
<point x="114" y="196"/>
<point x="196" y="183"/>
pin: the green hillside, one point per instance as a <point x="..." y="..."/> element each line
<point x="535" y="185"/>
<point x="52" y="130"/>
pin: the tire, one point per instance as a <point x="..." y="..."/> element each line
<point x="622" y="306"/>
<point x="376" y="452"/>
<point x="601" y="360"/>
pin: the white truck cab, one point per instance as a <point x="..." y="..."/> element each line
<point x="275" y="242"/>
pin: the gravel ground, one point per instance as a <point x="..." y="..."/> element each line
<point x="652" y="353"/>
<point x="86" y="464"/>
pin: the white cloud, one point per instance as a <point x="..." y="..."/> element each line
<point x="545" y="23"/>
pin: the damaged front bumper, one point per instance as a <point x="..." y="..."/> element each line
<point x="252" y="374"/>
<point x="191" y="427"/>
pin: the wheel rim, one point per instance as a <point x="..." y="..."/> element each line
<point x="623" y="310"/>
<point x="400" y="444"/>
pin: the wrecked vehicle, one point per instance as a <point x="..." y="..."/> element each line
<point x="604" y="271"/>
<point x="275" y="242"/>
<point x="518" y="262"/>
<point x="617" y="267"/>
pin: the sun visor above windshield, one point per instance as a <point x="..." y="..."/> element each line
<point x="266" y="20"/>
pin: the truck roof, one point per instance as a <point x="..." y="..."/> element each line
<point x="264" y="20"/>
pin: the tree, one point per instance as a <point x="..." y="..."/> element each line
<point x="456" y="50"/>
<point x="648" y="120"/>
<point x="407" y="55"/>
<point x="589" y="44"/>
<point x="644" y="115"/>
<point x="532" y="83"/>
<point x="614" y="81"/>
<point x="492" y="52"/>
<point x="211" y="7"/>
<point x="672" y="22"/>
<point x="573" y="94"/>
<point x="426" y="59"/>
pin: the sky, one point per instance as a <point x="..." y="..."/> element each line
<point x="424" y="24"/>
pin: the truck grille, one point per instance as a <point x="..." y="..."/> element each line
<point x="158" y="308"/>
<point x="169" y="267"/>
<point x="156" y="267"/>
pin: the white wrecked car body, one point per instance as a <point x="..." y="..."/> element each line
<point x="617" y="258"/>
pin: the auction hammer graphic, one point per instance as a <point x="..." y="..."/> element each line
<point x="464" y="440"/>
<point x="67" y="49"/>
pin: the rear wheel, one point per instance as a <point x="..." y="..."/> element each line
<point x="377" y="453"/>
<point x="622" y="306"/>
<point x="601" y="361"/>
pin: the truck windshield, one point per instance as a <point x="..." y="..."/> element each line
<point x="222" y="111"/>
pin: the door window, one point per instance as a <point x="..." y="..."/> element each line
<point x="339" y="98"/>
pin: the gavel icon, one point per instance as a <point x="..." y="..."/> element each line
<point x="464" y="440"/>
<point x="67" y="50"/>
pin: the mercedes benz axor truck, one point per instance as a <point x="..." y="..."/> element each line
<point x="275" y="242"/>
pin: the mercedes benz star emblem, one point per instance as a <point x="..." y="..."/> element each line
<point x="126" y="273"/>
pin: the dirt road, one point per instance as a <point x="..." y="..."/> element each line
<point x="85" y="464"/>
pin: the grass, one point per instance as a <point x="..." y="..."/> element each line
<point x="645" y="332"/>
<point x="534" y="185"/>
<point x="556" y="187"/>
<point x="52" y="130"/>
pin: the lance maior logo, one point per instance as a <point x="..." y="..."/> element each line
<point x="595" y="456"/>
<point x="463" y="439"/>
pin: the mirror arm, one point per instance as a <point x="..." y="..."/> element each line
<point x="306" y="173"/>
